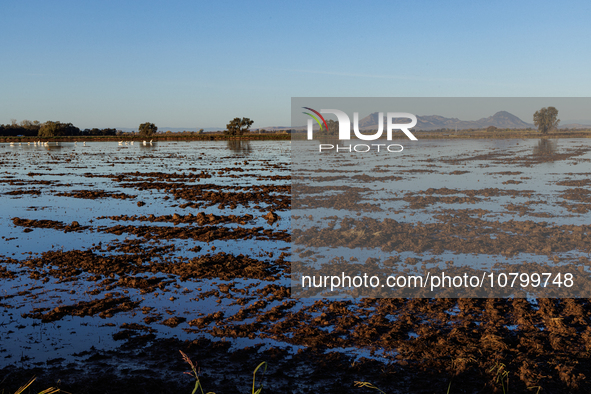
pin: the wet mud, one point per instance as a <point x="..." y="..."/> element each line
<point x="203" y="265"/>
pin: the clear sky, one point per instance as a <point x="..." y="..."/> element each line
<point x="198" y="64"/>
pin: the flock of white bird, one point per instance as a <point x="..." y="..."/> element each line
<point x="131" y="143"/>
<point x="46" y="143"/>
<point x="35" y="143"/>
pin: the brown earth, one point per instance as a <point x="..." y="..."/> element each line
<point x="419" y="345"/>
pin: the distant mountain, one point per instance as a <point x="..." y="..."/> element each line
<point x="274" y="128"/>
<point x="502" y="120"/>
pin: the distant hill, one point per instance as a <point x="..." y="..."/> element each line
<point x="504" y="120"/>
<point x="501" y="120"/>
<point x="274" y="128"/>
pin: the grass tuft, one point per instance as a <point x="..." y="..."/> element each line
<point x="502" y="376"/>
<point x="195" y="374"/>
<point x="51" y="390"/>
<point x="368" y="385"/>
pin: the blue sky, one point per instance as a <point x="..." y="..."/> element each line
<point x="198" y="64"/>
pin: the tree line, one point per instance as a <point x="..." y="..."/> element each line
<point x="29" y="128"/>
<point x="545" y="119"/>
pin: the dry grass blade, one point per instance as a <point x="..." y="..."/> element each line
<point x="51" y="390"/>
<point x="368" y="385"/>
<point x="502" y="376"/>
<point x="23" y="388"/>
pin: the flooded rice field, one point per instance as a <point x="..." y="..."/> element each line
<point x="490" y="209"/>
<point x="115" y="257"/>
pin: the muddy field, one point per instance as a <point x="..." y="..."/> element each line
<point x="114" y="258"/>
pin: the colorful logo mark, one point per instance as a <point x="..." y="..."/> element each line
<point x="315" y="118"/>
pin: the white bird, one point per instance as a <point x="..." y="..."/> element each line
<point x="84" y="143"/>
<point x="29" y="143"/>
<point x="151" y="142"/>
<point x="145" y="143"/>
<point x="75" y="142"/>
<point x="131" y="142"/>
<point x="12" y="144"/>
<point x="120" y="142"/>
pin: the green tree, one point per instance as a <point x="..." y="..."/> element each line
<point x="333" y="127"/>
<point x="238" y="126"/>
<point x="147" y="129"/>
<point x="546" y="119"/>
<point x="49" y="129"/>
<point x="54" y="129"/>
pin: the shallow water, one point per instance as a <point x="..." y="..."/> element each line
<point x="69" y="167"/>
<point x="479" y="186"/>
<point x="50" y="170"/>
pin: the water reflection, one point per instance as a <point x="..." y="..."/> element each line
<point x="55" y="169"/>
<point x="53" y="147"/>
<point x="239" y="146"/>
<point x="545" y="147"/>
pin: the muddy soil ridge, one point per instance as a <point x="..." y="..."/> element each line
<point x="510" y="214"/>
<point x="100" y="292"/>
